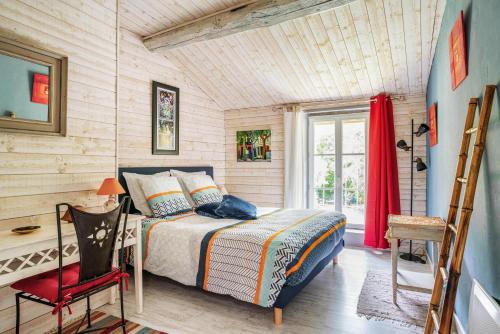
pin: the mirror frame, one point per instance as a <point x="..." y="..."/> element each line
<point x="58" y="83"/>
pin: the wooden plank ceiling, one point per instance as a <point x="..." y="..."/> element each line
<point x="361" y="49"/>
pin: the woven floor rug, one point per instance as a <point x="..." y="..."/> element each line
<point x="375" y="301"/>
<point x="101" y="319"/>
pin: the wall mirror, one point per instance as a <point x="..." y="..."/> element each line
<point x="33" y="84"/>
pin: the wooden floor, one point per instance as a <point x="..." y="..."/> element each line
<point x="326" y="305"/>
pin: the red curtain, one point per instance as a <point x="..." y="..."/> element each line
<point x="383" y="184"/>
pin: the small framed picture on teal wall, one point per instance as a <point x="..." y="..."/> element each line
<point x="40" y="92"/>
<point x="458" y="54"/>
<point x="433" y="129"/>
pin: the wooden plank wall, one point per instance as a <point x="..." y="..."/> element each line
<point x="36" y="172"/>
<point x="413" y="107"/>
<point x="201" y="120"/>
<point x="258" y="182"/>
<point x="262" y="183"/>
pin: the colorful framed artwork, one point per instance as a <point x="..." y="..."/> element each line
<point x="40" y="91"/>
<point x="165" y="119"/>
<point x="253" y="145"/>
<point x="458" y="54"/>
<point x="433" y="131"/>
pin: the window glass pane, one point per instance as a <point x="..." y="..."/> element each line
<point x="324" y="198"/>
<point x="353" y="188"/>
<point x="324" y="172"/>
<point x="353" y="136"/>
<point x="324" y="137"/>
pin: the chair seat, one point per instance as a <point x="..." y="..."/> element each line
<point x="45" y="285"/>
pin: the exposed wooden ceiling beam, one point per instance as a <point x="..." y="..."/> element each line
<point x="256" y="14"/>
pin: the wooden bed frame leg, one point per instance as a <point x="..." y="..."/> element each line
<point x="335" y="260"/>
<point x="278" y="316"/>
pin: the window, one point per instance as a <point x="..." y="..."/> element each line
<point x="337" y="165"/>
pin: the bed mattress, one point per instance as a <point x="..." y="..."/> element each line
<point x="178" y="248"/>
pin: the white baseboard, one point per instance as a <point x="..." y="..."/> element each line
<point x="354" y="238"/>
<point x="430" y="263"/>
<point x="458" y="325"/>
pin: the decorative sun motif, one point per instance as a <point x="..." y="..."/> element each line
<point x="100" y="234"/>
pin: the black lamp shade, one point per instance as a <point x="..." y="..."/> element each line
<point x="403" y="145"/>
<point x="423" y="128"/>
<point x="420" y="164"/>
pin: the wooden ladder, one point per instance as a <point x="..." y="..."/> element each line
<point x="449" y="278"/>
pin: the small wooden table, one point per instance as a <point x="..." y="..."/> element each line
<point x="414" y="228"/>
<point x="26" y="255"/>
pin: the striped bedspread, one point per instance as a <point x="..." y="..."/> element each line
<point x="251" y="260"/>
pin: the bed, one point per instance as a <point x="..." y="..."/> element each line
<point x="266" y="261"/>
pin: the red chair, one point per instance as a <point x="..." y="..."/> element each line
<point x="59" y="288"/>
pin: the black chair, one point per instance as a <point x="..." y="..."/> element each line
<point x="96" y="235"/>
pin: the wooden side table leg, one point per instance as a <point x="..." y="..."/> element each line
<point x="394" y="257"/>
<point x="138" y="268"/>
<point x="436" y="250"/>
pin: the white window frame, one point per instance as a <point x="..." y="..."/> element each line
<point x="338" y="118"/>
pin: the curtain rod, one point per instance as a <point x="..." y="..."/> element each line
<point x="290" y="107"/>
<point x="393" y="98"/>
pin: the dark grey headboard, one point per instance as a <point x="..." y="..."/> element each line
<point x="153" y="170"/>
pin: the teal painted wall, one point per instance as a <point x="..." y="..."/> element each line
<point x="16" y="82"/>
<point x="482" y="254"/>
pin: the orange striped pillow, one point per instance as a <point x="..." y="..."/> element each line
<point x="164" y="196"/>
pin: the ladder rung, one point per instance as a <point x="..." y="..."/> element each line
<point x="435" y="318"/>
<point x="453" y="228"/>
<point x="444" y="274"/>
<point x="462" y="179"/>
<point x="471" y="130"/>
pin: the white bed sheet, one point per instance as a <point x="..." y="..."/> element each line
<point x="174" y="246"/>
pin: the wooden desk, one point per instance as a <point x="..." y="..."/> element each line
<point x="26" y="255"/>
<point x="414" y="228"/>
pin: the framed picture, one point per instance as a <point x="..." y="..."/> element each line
<point x="253" y="145"/>
<point x="165" y="119"/>
<point x="458" y="54"/>
<point x="433" y="131"/>
<point x="40" y="93"/>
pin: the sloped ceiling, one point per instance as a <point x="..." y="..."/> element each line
<point x="358" y="50"/>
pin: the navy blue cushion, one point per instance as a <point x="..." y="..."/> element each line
<point x="234" y="207"/>
<point x="208" y="210"/>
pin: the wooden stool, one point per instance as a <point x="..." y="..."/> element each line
<point x="414" y="228"/>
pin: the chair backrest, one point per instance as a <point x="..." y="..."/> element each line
<point x="96" y="235"/>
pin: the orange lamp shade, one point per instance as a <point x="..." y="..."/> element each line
<point x="110" y="186"/>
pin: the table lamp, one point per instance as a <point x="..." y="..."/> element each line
<point x="67" y="215"/>
<point x="111" y="187"/>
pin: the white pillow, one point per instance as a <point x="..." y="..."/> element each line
<point x="135" y="190"/>
<point x="181" y="176"/>
<point x="164" y="196"/>
<point x="175" y="172"/>
<point x="203" y="190"/>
